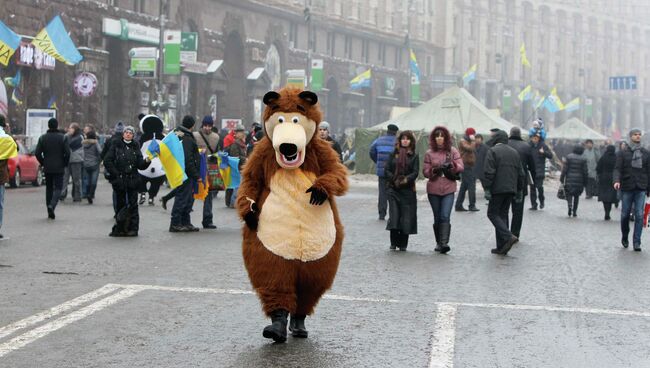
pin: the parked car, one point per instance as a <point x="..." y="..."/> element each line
<point x="24" y="168"/>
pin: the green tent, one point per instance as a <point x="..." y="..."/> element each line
<point x="574" y="129"/>
<point x="455" y="108"/>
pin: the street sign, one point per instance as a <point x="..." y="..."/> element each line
<point x="172" y="65"/>
<point x="618" y="83"/>
<point x="189" y="46"/>
<point x="317" y="75"/>
<point x="144" y="68"/>
<point x="36" y="121"/>
<point x="143" y="52"/>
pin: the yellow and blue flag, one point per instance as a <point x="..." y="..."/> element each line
<point x="202" y="188"/>
<point x="54" y="41"/>
<point x="470" y="75"/>
<point x="572" y="105"/>
<point x="8" y="147"/>
<point x="17" y="96"/>
<point x="9" y="42"/>
<point x="524" y="58"/>
<point x="172" y="158"/>
<point x="538" y="101"/>
<point x="363" y="80"/>
<point x="14" y="81"/>
<point x="51" y="104"/>
<point x="415" y="70"/>
<point x="553" y="102"/>
<point x="526" y="93"/>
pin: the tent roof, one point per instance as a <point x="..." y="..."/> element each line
<point x="454" y="108"/>
<point x="574" y="128"/>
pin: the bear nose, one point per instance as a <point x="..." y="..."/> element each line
<point x="288" y="149"/>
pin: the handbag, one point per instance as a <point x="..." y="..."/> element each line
<point x="561" y="194"/>
<point x="447" y="171"/>
<point x="215" y="180"/>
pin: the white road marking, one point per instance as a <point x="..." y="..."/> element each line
<point x="41" y="331"/>
<point x="39" y="317"/>
<point x="559" y="309"/>
<point x="444" y="337"/>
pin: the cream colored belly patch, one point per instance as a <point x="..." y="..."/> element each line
<point x="289" y="226"/>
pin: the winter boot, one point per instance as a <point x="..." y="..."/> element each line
<point x="436" y="232"/>
<point x="277" y="330"/>
<point x="444" y="232"/>
<point x="297" y="326"/>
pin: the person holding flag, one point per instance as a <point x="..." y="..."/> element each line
<point x="208" y="142"/>
<point x="8" y="149"/>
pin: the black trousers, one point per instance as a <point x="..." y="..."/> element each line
<point x="53" y="189"/>
<point x="517" y="217"/>
<point x="498" y="215"/>
<point x="183" y="204"/>
<point x="592" y="187"/>
<point x="467" y="185"/>
<point x="572" y="202"/>
<point x="154" y="185"/>
<point x="128" y="216"/>
<point x="537" y="191"/>
<point x="398" y="239"/>
<point x="382" y="204"/>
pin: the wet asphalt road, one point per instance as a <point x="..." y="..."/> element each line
<point x="383" y="306"/>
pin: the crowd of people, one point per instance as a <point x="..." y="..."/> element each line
<point x="509" y="169"/>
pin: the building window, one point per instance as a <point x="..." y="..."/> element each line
<point x="348" y="47"/>
<point x="331" y="43"/>
<point x="429" y="65"/>
<point x="365" y="51"/>
<point x="293" y="35"/>
<point x="381" y="54"/>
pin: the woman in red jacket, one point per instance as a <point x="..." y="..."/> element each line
<point x="442" y="164"/>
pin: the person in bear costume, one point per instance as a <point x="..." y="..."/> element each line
<point x="292" y="235"/>
<point x="151" y="126"/>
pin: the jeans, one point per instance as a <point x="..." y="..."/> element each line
<point x="382" y="204"/>
<point x="207" y="209"/>
<point x="498" y="210"/>
<point x="233" y="197"/>
<point x="629" y="198"/>
<point x="537" y="187"/>
<point x="53" y="188"/>
<point x="89" y="181"/>
<point x="467" y="184"/>
<point x="517" y="217"/>
<point x="183" y="204"/>
<point x="2" y="202"/>
<point x="73" y="170"/>
<point x="441" y="207"/>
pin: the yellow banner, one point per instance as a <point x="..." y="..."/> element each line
<point x="5" y="53"/>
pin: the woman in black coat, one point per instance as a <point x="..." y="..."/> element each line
<point x="400" y="173"/>
<point x="574" y="177"/>
<point x="605" y="170"/>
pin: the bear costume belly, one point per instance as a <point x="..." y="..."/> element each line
<point x="287" y="220"/>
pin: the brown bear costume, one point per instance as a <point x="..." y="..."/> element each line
<point x="293" y="235"/>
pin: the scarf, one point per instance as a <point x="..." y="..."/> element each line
<point x="127" y="142"/>
<point x="402" y="158"/>
<point x="637" y="155"/>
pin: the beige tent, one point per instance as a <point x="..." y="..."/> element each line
<point x="574" y="128"/>
<point x="454" y="108"/>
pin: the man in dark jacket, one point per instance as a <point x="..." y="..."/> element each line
<point x="53" y="153"/>
<point x="504" y="181"/>
<point x="526" y="156"/>
<point x="380" y="150"/>
<point x="541" y="152"/>
<point x="180" y="221"/>
<point x="324" y="134"/>
<point x="481" y="151"/>
<point x="632" y="177"/>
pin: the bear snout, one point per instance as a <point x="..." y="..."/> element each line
<point x="288" y="150"/>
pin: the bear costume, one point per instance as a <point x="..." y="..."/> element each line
<point x="292" y="235"/>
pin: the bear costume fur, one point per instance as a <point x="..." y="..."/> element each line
<point x="292" y="235"/>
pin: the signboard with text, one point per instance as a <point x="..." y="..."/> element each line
<point x="36" y="121"/>
<point x="28" y="55"/>
<point x="622" y="83"/>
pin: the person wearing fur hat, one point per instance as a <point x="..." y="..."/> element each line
<point x="53" y="153"/>
<point x="467" y="148"/>
<point x="123" y="161"/>
<point x="184" y="200"/>
<point x="632" y="177"/>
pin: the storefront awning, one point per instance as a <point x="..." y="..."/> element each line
<point x="259" y="75"/>
<point x="216" y="67"/>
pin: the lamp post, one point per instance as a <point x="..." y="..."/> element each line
<point x="407" y="41"/>
<point x="161" y="44"/>
<point x="307" y="15"/>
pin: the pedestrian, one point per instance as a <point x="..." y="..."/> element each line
<point x="574" y="177"/>
<point x="324" y="134"/>
<point x="526" y="157"/>
<point x="481" y="151"/>
<point x="380" y="149"/>
<point x="152" y="129"/>
<point x="238" y="150"/>
<point x="592" y="156"/>
<point x="468" y="180"/>
<point x="117" y="136"/>
<point x="8" y="149"/>
<point x="401" y="171"/>
<point x="442" y="164"/>
<point x="184" y="200"/>
<point x="538" y="129"/>
<point x="92" y="157"/>
<point x="504" y="183"/>
<point x="632" y="177"/>
<point x="53" y="153"/>
<point x="75" y="166"/>
<point x="254" y="136"/>
<point x="605" y="169"/>
<point x="208" y="142"/>
<point x="541" y="152"/>
<point x="123" y="162"/>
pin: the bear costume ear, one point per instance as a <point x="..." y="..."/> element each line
<point x="270" y="97"/>
<point x="309" y="97"/>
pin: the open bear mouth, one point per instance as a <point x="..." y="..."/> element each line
<point x="291" y="160"/>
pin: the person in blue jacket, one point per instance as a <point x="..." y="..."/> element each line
<point x="380" y="151"/>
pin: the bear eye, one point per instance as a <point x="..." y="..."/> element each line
<point x="281" y="119"/>
<point x="295" y="120"/>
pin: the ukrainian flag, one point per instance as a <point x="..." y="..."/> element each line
<point x="470" y="75"/>
<point x="553" y="102"/>
<point x="8" y="147"/>
<point x="9" y="42"/>
<point x="524" y="57"/>
<point x="170" y="151"/>
<point x="415" y="70"/>
<point x="526" y="93"/>
<point x="54" y="41"/>
<point x="363" y="80"/>
<point x="202" y="189"/>
<point x="51" y="104"/>
<point x="573" y="105"/>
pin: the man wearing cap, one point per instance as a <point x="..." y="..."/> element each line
<point x="324" y="133"/>
<point x="181" y="221"/>
<point x="468" y="180"/>
<point x="53" y="153"/>
<point x="632" y="177"/>
<point x="208" y="141"/>
<point x="541" y="152"/>
<point x="380" y="151"/>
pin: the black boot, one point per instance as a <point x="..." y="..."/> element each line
<point x="297" y="326"/>
<point x="436" y="232"/>
<point x="444" y="231"/>
<point x="277" y="330"/>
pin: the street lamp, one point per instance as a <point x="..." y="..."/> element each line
<point x="160" y="103"/>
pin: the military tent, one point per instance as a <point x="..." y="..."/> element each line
<point x="575" y="129"/>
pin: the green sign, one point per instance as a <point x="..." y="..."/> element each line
<point x="589" y="112"/>
<point x="189" y="41"/>
<point x="172" y="65"/>
<point x="143" y="68"/>
<point x="506" y="102"/>
<point x="317" y="75"/>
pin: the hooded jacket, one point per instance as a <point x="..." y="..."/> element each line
<point x="575" y="172"/>
<point x="503" y="171"/>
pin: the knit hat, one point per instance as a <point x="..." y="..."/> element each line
<point x="119" y="127"/>
<point x="240" y="128"/>
<point x="634" y="131"/>
<point x="515" y="132"/>
<point x="470" y="131"/>
<point x="324" y="125"/>
<point x="52" y="123"/>
<point x="129" y="128"/>
<point x="188" y="122"/>
<point x="392" y="128"/>
<point x="207" y="120"/>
